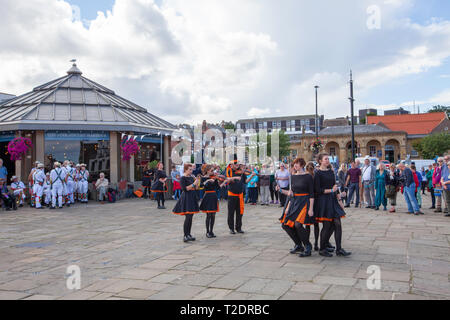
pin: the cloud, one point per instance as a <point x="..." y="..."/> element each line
<point x="223" y="60"/>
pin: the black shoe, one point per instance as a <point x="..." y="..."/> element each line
<point x="186" y="239"/>
<point x="208" y="235"/>
<point x="297" y="249"/>
<point x="307" y="252"/>
<point x="347" y="206"/>
<point x="20" y="205"/>
<point x="418" y="212"/>
<point x="213" y="235"/>
<point x="325" y="253"/>
<point x="52" y="208"/>
<point x="342" y="252"/>
<point x="240" y="231"/>
<point x="433" y="207"/>
<point x="316" y="247"/>
<point x="376" y="208"/>
<point x="232" y="232"/>
<point x="191" y="238"/>
<point x="447" y="215"/>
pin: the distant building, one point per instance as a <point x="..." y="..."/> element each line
<point x="338" y="122"/>
<point x="416" y="126"/>
<point x="289" y="124"/>
<point x="363" y="113"/>
<point x="5" y="97"/>
<point x="396" y="112"/>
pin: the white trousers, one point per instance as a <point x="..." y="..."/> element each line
<point x="38" y="190"/>
<point x="83" y="186"/>
<point x="57" y="191"/>
<point x="70" y="186"/>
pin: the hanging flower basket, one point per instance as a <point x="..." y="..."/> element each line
<point x="18" y="147"/>
<point x="129" y="148"/>
<point x="316" y="146"/>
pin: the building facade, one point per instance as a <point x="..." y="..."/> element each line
<point x="290" y="124"/>
<point x="74" y="118"/>
<point x="373" y="140"/>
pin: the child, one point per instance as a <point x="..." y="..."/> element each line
<point x="176" y="187"/>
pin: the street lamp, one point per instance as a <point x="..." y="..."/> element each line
<point x="317" y="129"/>
<point x="352" y="100"/>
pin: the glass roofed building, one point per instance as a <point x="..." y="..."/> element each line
<point x="74" y="118"/>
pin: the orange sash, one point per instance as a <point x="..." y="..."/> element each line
<point x="241" y="200"/>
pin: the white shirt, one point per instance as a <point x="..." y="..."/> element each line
<point x="57" y="176"/>
<point x="367" y="173"/>
<point x="39" y="176"/>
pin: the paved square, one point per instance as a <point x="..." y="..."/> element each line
<point x="130" y="250"/>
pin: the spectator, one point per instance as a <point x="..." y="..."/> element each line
<point x="429" y="176"/>
<point x="418" y="182"/>
<point x="423" y="174"/>
<point x="3" y="175"/>
<point x="444" y="195"/>
<point x="368" y="182"/>
<point x="273" y="192"/>
<point x="409" y="188"/>
<point x="252" y="181"/>
<point x="392" y="186"/>
<point x="264" y="185"/>
<point x="176" y="187"/>
<point x="353" y="182"/>
<point x="445" y="181"/>
<point x="18" y="189"/>
<point x="102" y="187"/>
<point x="437" y="174"/>
<point x="282" y="179"/>
<point x="380" y="187"/>
<point x="9" y="201"/>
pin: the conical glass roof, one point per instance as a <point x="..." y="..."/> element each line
<point x="74" y="100"/>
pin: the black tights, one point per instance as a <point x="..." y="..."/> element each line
<point x="160" y="198"/>
<point x="210" y="218"/>
<point x="316" y="233"/>
<point x="187" y="224"/>
<point x="327" y="230"/>
<point x="298" y="234"/>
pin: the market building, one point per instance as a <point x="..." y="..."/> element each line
<point x="373" y="140"/>
<point x="74" y="118"/>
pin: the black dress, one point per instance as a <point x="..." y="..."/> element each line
<point x="210" y="202"/>
<point x="326" y="206"/>
<point x="187" y="204"/>
<point x="147" y="179"/>
<point x="157" y="185"/>
<point x="303" y="189"/>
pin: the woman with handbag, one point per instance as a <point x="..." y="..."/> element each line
<point x="392" y="181"/>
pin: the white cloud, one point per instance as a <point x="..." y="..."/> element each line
<point x="213" y="59"/>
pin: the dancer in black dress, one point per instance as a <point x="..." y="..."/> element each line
<point x="159" y="185"/>
<point x="187" y="205"/>
<point x="299" y="209"/>
<point x="310" y="169"/>
<point x="147" y="181"/>
<point x="326" y="207"/>
<point x="210" y="201"/>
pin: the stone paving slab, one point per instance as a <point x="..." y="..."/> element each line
<point x="130" y="250"/>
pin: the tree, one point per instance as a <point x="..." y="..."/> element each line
<point x="440" y="108"/>
<point x="433" y="145"/>
<point x="229" y="125"/>
<point x="284" y="144"/>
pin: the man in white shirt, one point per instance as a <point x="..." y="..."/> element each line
<point x="282" y="179"/>
<point x="38" y="187"/>
<point x="18" y="188"/>
<point x="368" y="182"/>
<point x="57" y="178"/>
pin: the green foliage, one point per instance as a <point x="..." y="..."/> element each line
<point x="433" y="145"/>
<point x="152" y="165"/>
<point x="440" y="108"/>
<point x="284" y="144"/>
<point x="229" y="125"/>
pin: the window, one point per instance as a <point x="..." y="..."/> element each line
<point x="274" y="124"/>
<point x="238" y="126"/>
<point x="332" y="151"/>
<point x="265" y="124"/>
<point x="373" y="151"/>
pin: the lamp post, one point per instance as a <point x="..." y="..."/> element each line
<point x="317" y="128"/>
<point x="351" y="111"/>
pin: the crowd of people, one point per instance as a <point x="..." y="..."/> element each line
<point x="62" y="186"/>
<point x="374" y="187"/>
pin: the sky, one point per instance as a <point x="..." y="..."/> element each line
<point x="214" y="60"/>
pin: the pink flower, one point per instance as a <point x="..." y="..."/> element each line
<point x="129" y="148"/>
<point x="18" y="147"/>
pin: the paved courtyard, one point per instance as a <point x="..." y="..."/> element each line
<point x="130" y="250"/>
